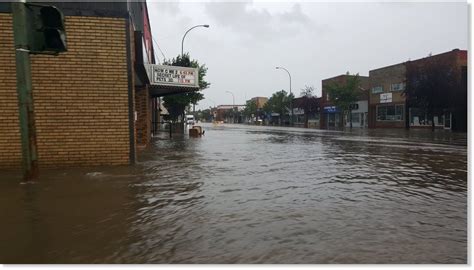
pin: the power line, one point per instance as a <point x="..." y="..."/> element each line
<point x="159" y="48"/>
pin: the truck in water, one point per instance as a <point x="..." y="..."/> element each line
<point x="190" y="119"/>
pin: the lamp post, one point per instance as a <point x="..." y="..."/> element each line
<point x="291" y="101"/>
<point x="182" y="42"/>
<point x="233" y="105"/>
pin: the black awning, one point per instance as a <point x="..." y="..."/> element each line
<point x="159" y="91"/>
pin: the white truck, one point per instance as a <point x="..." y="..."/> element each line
<point x="190" y="119"/>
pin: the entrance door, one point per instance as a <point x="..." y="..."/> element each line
<point x="447" y="120"/>
<point x="331" y="120"/>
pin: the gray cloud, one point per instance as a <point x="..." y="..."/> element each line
<point x="313" y="41"/>
<point x="258" y="25"/>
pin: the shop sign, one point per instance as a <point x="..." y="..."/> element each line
<point x="173" y="76"/>
<point x="330" y="109"/>
<point x="386" y="98"/>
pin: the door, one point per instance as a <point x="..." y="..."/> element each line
<point x="331" y="120"/>
<point x="447" y="120"/>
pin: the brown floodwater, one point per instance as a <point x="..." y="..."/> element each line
<point x="246" y="194"/>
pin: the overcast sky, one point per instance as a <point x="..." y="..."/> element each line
<point x="313" y="40"/>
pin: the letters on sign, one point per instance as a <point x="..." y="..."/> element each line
<point x="173" y="76"/>
<point x="386" y="98"/>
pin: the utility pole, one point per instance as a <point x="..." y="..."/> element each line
<point x="24" y="90"/>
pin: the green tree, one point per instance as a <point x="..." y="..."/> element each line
<point x="205" y="115"/>
<point x="345" y="94"/>
<point x="279" y="103"/>
<point x="308" y="102"/>
<point x="250" y="109"/>
<point x="177" y="103"/>
<point x="427" y="83"/>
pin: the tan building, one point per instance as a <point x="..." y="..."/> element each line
<point x="260" y="101"/>
<point x="94" y="103"/>
<point x="386" y="98"/>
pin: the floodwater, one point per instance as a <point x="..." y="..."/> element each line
<point x="247" y="194"/>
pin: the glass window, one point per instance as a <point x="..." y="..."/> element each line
<point x="390" y="112"/>
<point x="355" y="117"/>
<point x="397" y="86"/>
<point x="377" y="89"/>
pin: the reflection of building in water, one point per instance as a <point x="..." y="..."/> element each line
<point x="388" y="103"/>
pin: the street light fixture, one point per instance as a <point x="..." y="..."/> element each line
<point x="291" y="101"/>
<point x="182" y="42"/>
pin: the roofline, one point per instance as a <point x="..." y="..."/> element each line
<point x="402" y="63"/>
<point x="344" y="75"/>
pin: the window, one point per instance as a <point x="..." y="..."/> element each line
<point x="390" y="112"/>
<point x="377" y="89"/>
<point x="397" y="86"/>
<point x="355" y="117"/>
<point x="327" y="96"/>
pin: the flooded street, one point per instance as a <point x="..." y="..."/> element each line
<point x="248" y="194"/>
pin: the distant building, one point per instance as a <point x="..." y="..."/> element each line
<point x="260" y="101"/>
<point x="332" y="117"/>
<point x="312" y="113"/>
<point x="229" y="113"/>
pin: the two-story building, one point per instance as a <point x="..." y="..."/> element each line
<point x="389" y="105"/>
<point x="333" y="117"/>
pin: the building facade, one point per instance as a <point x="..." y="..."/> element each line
<point x="93" y="104"/>
<point x="389" y="105"/>
<point x="386" y="97"/>
<point x="229" y="113"/>
<point x="260" y="101"/>
<point x="331" y="117"/>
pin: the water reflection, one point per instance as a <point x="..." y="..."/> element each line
<point x="251" y="195"/>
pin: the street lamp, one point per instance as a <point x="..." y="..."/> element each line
<point x="291" y="101"/>
<point x="182" y="42"/>
<point x="233" y="105"/>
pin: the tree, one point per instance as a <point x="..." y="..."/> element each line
<point x="250" y="109"/>
<point x="308" y="103"/>
<point x="279" y="103"/>
<point x="433" y="85"/>
<point x="345" y="94"/>
<point x="205" y="115"/>
<point x="177" y="103"/>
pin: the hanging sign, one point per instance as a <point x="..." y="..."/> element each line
<point x="173" y="76"/>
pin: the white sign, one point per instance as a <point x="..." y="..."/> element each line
<point x="173" y="76"/>
<point x="386" y="98"/>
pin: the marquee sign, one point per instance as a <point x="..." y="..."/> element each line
<point x="162" y="75"/>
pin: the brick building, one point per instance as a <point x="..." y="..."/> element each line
<point x="260" y="101"/>
<point x="386" y="98"/>
<point x="229" y="113"/>
<point x="388" y="104"/>
<point x="93" y="104"/>
<point x="331" y="116"/>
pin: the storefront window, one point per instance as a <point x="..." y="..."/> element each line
<point x="421" y="118"/>
<point x="355" y="117"/>
<point x="390" y="112"/>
